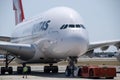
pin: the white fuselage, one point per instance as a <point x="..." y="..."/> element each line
<point x="56" y="34"/>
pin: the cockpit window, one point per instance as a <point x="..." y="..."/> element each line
<point x="72" y="26"/>
<point x="77" y="26"/>
<point x="64" y="26"/>
<point x="82" y="26"/>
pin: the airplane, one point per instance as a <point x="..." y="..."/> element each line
<point x="53" y="36"/>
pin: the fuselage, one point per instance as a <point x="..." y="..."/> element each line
<point x="55" y="34"/>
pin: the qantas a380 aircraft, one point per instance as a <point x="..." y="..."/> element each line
<point x="55" y="35"/>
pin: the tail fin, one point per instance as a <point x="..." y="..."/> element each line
<point x="19" y="14"/>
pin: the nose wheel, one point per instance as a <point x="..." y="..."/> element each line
<point x="71" y="66"/>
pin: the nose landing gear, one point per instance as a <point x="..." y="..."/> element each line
<point x="71" y="66"/>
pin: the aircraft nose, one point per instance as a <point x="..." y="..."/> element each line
<point x="69" y="45"/>
<point x="75" y="43"/>
<point x="74" y="39"/>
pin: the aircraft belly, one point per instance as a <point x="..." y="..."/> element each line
<point x="38" y="61"/>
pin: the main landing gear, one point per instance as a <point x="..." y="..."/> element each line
<point x="6" y="68"/>
<point x="71" y="66"/>
<point x="20" y="69"/>
<point x="51" y="68"/>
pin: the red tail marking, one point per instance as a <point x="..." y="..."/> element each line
<point x="19" y="14"/>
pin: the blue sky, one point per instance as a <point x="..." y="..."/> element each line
<point x="101" y="17"/>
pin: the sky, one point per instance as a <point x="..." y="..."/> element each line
<point x="101" y="17"/>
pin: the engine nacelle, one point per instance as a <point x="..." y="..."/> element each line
<point x="104" y="48"/>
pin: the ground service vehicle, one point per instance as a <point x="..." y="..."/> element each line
<point x="96" y="72"/>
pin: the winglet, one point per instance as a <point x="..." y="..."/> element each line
<point x="19" y="14"/>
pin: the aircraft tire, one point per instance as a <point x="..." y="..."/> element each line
<point x="54" y="69"/>
<point x="67" y="71"/>
<point x="19" y="70"/>
<point x="47" y="69"/>
<point x="79" y="72"/>
<point x="10" y="70"/>
<point x="3" y="70"/>
<point x="29" y="69"/>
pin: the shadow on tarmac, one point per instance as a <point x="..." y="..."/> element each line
<point x="49" y="75"/>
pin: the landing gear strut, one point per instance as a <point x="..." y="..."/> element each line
<point x="71" y="66"/>
<point x="6" y="68"/>
<point x="51" y="68"/>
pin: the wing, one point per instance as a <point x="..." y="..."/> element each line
<point x="23" y="51"/>
<point x="5" y="38"/>
<point x="104" y="44"/>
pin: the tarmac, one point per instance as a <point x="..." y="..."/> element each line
<point x="38" y="74"/>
